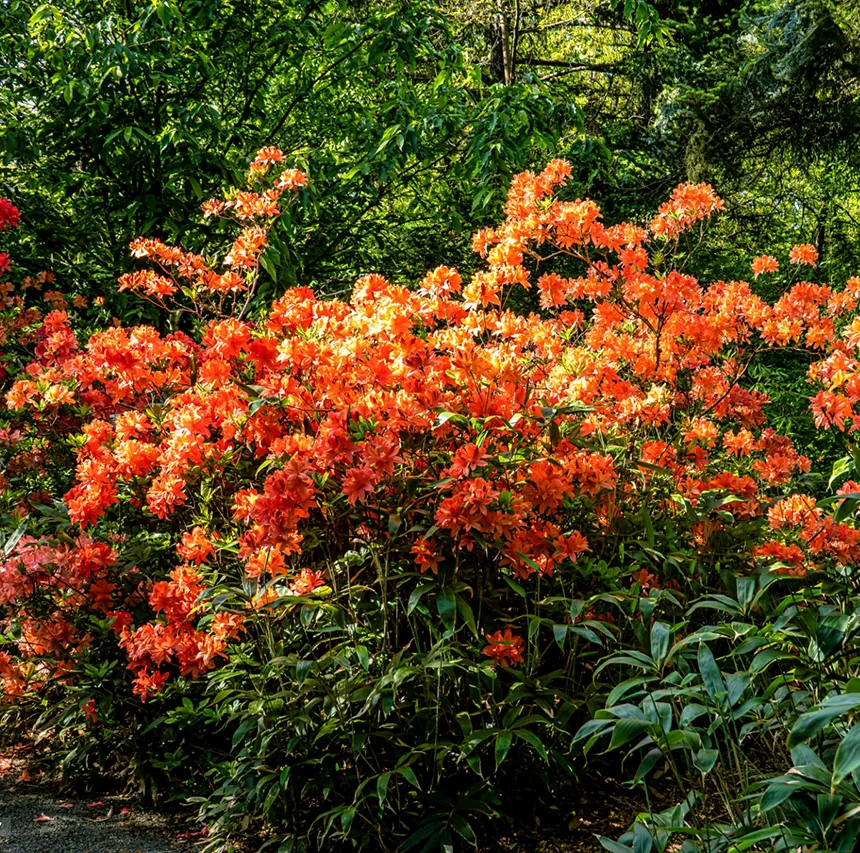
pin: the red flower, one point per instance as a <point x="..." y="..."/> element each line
<point x="89" y="709"/>
<point x="10" y="216"/>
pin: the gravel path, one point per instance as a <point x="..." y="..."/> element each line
<point x="79" y="826"/>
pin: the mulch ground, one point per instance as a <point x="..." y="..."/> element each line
<point x="37" y="817"/>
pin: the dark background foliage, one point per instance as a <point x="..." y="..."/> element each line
<point x="118" y="118"/>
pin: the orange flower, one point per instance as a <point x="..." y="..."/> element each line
<point x="789" y="558"/>
<point x="306" y="581"/>
<point x="147" y="683"/>
<point x="505" y="648"/>
<point x="196" y="546"/>
<point x="763" y="264"/>
<point x="268" y="156"/>
<point x="358" y="484"/>
<point x="553" y="290"/>
<point x="426" y="556"/>
<point x="89" y="709"/>
<point x="468" y="458"/>
<point x="291" y="179"/>
<point x="804" y="254"/>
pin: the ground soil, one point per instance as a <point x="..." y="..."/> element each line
<point x="601" y="806"/>
<point x="37" y="817"/>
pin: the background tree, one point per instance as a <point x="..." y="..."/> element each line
<point x="119" y="117"/>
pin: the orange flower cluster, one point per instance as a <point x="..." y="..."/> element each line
<point x="158" y="643"/>
<point x="690" y="203"/>
<point x="837" y="402"/>
<point x="437" y="421"/>
<point x="196" y="276"/>
<point x="504" y="648"/>
<point x="84" y="574"/>
<point x="811" y="535"/>
<point x="68" y="576"/>
<point x="763" y="264"/>
<point x="805" y="254"/>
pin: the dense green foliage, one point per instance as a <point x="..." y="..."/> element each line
<point x="116" y="117"/>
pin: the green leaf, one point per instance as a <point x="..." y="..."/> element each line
<point x="255" y="405"/>
<point x="649" y="527"/>
<point x="811" y="723"/>
<point x="243" y="729"/>
<point x="382" y="787"/>
<point x="467" y="615"/>
<point x="659" y="641"/>
<point x="840" y="471"/>
<point x="15" y="538"/>
<point x="529" y="562"/>
<point x="627" y="729"/>
<point x="303" y="667"/>
<point x="465" y="722"/>
<point x="847" y="755"/>
<point x="705" y="759"/>
<point x="532" y="739"/>
<point x="651" y="467"/>
<point x="746" y="591"/>
<point x="462" y="828"/>
<point x="613" y="846"/>
<point x="751" y="838"/>
<point x="446" y="604"/>
<point x="363" y="657"/>
<point x="846" y="508"/>
<point x="647" y="764"/>
<point x="804" y="755"/>
<point x="415" y="597"/>
<point x="514" y="586"/>
<point x="346" y="818"/>
<point x="589" y="728"/>
<point x="503" y="744"/>
<point x="778" y="792"/>
<point x="766" y="657"/>
<point x="642" y="841"/>
<point x="409" y="775"/>
<point x="711" y="676"/>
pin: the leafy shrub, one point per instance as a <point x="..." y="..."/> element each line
<point x="712" y="711"/>
<point x="358" y="561"/>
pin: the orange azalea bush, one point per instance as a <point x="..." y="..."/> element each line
<point x="412" y="466"/>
